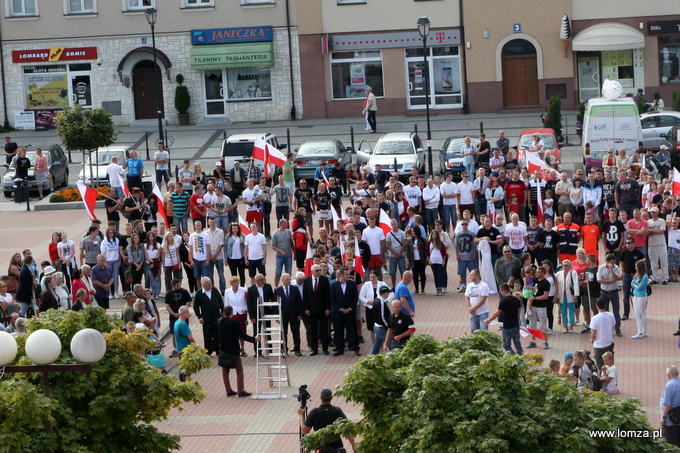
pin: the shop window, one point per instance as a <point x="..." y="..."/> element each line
<point x="135" y="5"/>
<point x="22" y="7"/>
<point x="669" y="53"/>
<point x="197" y="3"/>
<point x="81" y="6"/>
<point x="57" y="86"/>
<point x="353" y="72"/>
<point x="248" y="83"/>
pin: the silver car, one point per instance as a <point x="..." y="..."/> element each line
<point x="100" y="160"/>
<point x="57" y="166"/>
<point x="310" y="154"/>
<point x="655" y="126"/>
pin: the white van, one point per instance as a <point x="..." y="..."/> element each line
<point x="608" y="124"/>
<point x="239" y="148"/>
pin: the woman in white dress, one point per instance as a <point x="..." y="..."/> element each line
<point x="235" y="296"/>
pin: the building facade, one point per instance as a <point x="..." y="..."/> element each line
<point x="236" y="59"/>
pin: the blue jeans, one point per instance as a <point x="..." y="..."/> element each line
<point x="396" y="345"/>
<point x="219" y="264"/>
<point x="153" y="283"/>
<point x="613" y="297"/>
<point x="119" y="192"/>
<point x="114" y="268"/>
<point x="629" y="208"/>
<point x="627" y="279"/>
<point x="222" y="222"/>
<point x="450" y="215"/>
<point x="471" y="171"/>
<point x="380" y="334"/>
<point x="512" y="335"/>
<point x="477" y="322"/>
<point x="395" y="263"/>
<point x="281" y="262"/>
<point x="430" y="216"/>
<point x="181" y="223"/>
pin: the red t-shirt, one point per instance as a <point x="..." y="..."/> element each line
<point x="640" y="241"/>
<point x="196" y="201"/>
<point x="517" y="187"/>
<point x="590" y="235"/>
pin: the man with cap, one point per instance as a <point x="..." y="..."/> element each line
<point x="321" y="174"/>
<point x="568" y="362"/>
<point x="220" y="174"/>
<point x="381" y="316"/>
<point x="663" y="161"/>
<point x="323" y="416"/>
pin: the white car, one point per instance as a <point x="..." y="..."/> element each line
<point x="100" y="160"/>
<point x="405" y="147"/>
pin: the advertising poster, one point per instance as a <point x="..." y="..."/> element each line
<point x="24" y="121"/>
<point x="46" y="90"/>
<point x="357" y="74"/>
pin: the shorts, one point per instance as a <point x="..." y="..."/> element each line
<point x="255" y="266"/>
<point x="539" y="315"/>
<point x="673" y="258"/>
<point x="466" y="265"/>
<point x="102" y="301"/>
<point x="397" y="263"/>
<point x="324" y="214"/>
<point x="375" y="261"/>
<point x="199" y="268"/>
<point x="254" y="216"/>
<point x="308" y="218"/>
<point x="41" y="176"/>
<point x="162" y="175"/>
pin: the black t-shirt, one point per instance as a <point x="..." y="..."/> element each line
<point x="323" y="200"/>
<point x="542" y="287"/>
<point x="591" y="281"/>
<point x="359" y="226"/>
<point x="629" y="259"/>
<point x="304" y="199"/>
<point x="613" y="233"/>
<point x="484" y="158"/>
<point x="111" y="216"/>
<point x="325" y="415"/>
<point x="608" y="191"/>
<point x="510" y="307"/>
<point x="550" y="240"/>
<point x="492" y="233"/>
<point x="11" y="147"/>
<point x="132" y="202"/>
<point x="400" y="324"/>
<point x="336" y="197"/>
<point x="382" y="177"/>
<point x="175" y="299"/>
<point x="23" y="164"/>
<point x="232" y="194"/>
<point x="124" y="242"/>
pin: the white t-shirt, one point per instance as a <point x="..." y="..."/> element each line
<point x="373" y="236"/>
<point x="611" y="372"/>
<point x="658" y="240"/>
<point x="674" y="238"/>
<point x="207" y="198"/>
<point x="199" y="243"/>
<point x="171" y="258"/>
<point x="413" y="195"/>
<point x="465" y="191"/>
<point x="68" y="249"/>
<point x="431" y="197"/>
<point x="515" y="236"/>
<point x="114" y="168"/>
<point x="255" y="246"/>
<point x="473" y="227"/>
<point x="111" y="249"/>
<point x="436" y="255"/>
<point x="449" y="188"/>
<point x="161" y="155"/>
<point x="236" y="249"/>
<point x="249" y="195"/>
<point x="475" y="291"/>
<point x="603" y="323"/>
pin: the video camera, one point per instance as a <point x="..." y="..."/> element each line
<point x="302" y="396"/>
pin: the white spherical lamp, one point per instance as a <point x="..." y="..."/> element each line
<point x="88" y="346"/>
<point x="43" y="347"/>
<point x="8" y="348"/>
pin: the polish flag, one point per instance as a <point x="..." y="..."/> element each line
<point x="89" y="196"/>
<point x="676" y="182"/>
<point x="539" y="204"/>
<point x="268" y="154"/>
<point x="117" y="181"/>
<point x="523" y="331"/>
<point x="358" y="264"/>
<point x="161" y="205"/>
<point x="385" y="222"/>
<point x="535" y="163"/>
<point x="245" y="229"/>
<point x="309" y="260"/>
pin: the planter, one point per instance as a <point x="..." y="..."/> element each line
<point x="183" y="119"/>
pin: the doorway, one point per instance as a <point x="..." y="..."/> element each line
<point x="144" y="88"/>
<point x="520" y="74"/>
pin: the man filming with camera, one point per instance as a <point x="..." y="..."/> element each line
<point x="323" y="416"/>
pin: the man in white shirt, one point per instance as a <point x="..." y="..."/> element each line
<point x="656" y="245"/>
<point x="375" y="238"/>
<point x="601" y="327"/>
<point x="413" y="194"/>
<point x="516" y="235"/>
<point x="449" y="194"/>
<point x="255" y="252"/>
<point x="162" y="159"/>
<point x="215" y="257"/>
<point x="221" y="205"/>
<point x="477" y="298"/>
<point x="466" y="198"/>
<point x="473" y="226"/>
<point x="114" y="168"/>
<point x="207" y="198"/>
<point x="253" y="198"/>
<point x="431" y="197"/>
<point x="199" y="243"/>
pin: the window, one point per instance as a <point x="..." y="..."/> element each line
<point x="349" y="2"/>
<point x="23" y="8"/>
<point x="57" y="86"/>
<point x="257" y="2"/>
<point x="138" y="4"/>
<point x="81" y="6"/>
<point x="243" y="84"/>
<point x="197" y="3"/>
<point x="669" y="53"/>
<point x="352" y="72"/>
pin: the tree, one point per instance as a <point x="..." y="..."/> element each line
<point x="554" y="116"/>
<point x="112" y="410"/>
<point x="86" y="130"/>
<point x="464" y="395"/>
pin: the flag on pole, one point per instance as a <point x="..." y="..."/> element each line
<point x="245" y="229"/>
<point x="676" y="182"/>
<point x="267" y="154"/>
<point x="117" y="181"/>
<point x="523" y="331"/>
<point x="535" y="163"/>
<point x="275" y="156"/>
<point x="309" y="260"/>
<point x="535" y="332"/>
<point x="385" y="222"/>
<point x="539" y="203"/>
<point x="358" y="263"/>
<point x="161" y="205"/>
<point x="89" y="196"/>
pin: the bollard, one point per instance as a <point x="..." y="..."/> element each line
<point x="288" y="140"/>
<point x="481" y="127"/>
<point x="415" y="128"/>
<point x="395" y="164"/>
<point x="351" y="135"/>
<point x="146" y="139"/>
<point x="176" y="174"/>
<point x="224" y="134"/>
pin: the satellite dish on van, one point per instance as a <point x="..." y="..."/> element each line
<point x="611" y="89"/>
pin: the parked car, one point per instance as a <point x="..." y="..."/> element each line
<point x="100" y="160"/>
<point x="450" y="151"/>
<point x="672" y="140"/>
<point x="405" y="147"/>
<point x="57" y="166"/>
<point x="239" y="147"/>
<point x="311" y="152"/>
<point x="551" y="145"/>
<point x="655" y="126"/>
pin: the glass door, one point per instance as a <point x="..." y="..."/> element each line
<point x="443" y="64"/>
<point x="81" y="90"/>
<point x="588" y="76"/>
<point x="214" y="92"/>
<point x="415" y="70"/>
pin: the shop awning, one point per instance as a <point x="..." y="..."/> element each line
<point x="608" y="36"/>
<point x="232" y="55"/>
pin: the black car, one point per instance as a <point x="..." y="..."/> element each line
<point x="453" y="160"/>
<point x="57" y="166"/>
<point x="672" y="140"/>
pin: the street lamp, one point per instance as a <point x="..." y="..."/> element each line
<point x="424" y="30"/>
<point x="151" y="16"/>
<point x="44" y="347"/>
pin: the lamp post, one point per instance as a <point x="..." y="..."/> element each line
<point x="424" y="30"/>
<point x="151" y="16"/>
<point x="44" y="347"/>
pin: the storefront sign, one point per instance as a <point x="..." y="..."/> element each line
<point x="231" y="35"/>
<point x="232" y="56"/>
<point x="663" y="27"/>
<point x="24" y="121"/>
<point x="54" y="54"/>
<point x="394" y="40"/>
<point x="46" y="90"/>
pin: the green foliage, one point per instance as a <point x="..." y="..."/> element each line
<point x="464" y="395"/>
<point x="676" y="101"/>
<point x="579" y="117"/>
<point x="182" y="97"/>
<point x="194" y="359"/>
<point x="112" y="410"/>
<point x="554" y="120"/>
<point x="85" y="129"/>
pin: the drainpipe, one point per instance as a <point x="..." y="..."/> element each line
<point x="290" y="63"/>
<point x="4" y="86"/>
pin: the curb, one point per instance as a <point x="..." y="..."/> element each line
<point x="45" y="205"/>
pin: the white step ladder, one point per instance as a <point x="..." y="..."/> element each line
<point x="270" y="363"/>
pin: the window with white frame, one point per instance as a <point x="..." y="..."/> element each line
<point x="354" y="71"/>
<point x="22" y="7"/>
<point x="138" y="4"/>
<point x="81" y="6"/>
<point x="257" y="2"/>
<point x="197" y="3"/>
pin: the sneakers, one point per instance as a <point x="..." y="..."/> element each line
<point x="586" y="330"/>
<point x="531" y="345"/>
<point x="174" y="353"/>
<point x="665" y="282"/>
<point x="618" y="333"/>
<point x="461" y="289"/>
<point x="439" y="292"/>
<point x="415" y="292"/>
<point x="637" y="336"/>
<point x="545" y="345"/>
<point x="624" y="318"/>
<point x="677" y="333"/>
<point x="443" y="290"/>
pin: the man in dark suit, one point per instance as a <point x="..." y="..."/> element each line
<point x="317" y="305"/>
<point x="291" y="312"/>
<point x="344" y="297"/>
<point x="208" y="305"/>
<point x="260" y="289"/>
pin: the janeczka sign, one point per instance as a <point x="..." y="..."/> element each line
<point x="54" y="54"/>
<point x="231" y="35"/>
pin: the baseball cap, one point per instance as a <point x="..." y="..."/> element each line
<point x="218" y="164"/>
<point x="568" y="356"/>
<point x="663" y="147"/>
<point x="655" y="209"/>
<point x="384" y="289"/>
<point x="326" y="394"/>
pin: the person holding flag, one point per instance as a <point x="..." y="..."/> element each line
<point x="536" y="195"/>
<point x="375" y="238"/>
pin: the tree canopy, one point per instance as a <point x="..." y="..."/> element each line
<point x="85" y="129"/>
<point x="112" y="410"/>
<point x="464" y="395"/>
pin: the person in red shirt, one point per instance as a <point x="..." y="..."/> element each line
<point x="516" y="187"/>
<point x="591" y="236"/>
<point x="636" y="228"/>
<point x="197" y="207"/>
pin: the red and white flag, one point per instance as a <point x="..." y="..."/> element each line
<point x="309" y="260"/>
<point x="89" y="196"/>
<point x="385" y="222"/>
<point x="117" y="181"/>
<point x="267" y="154"/>
<point x="539" y="203"/>
<point x="524" y="331"/>
<point x="245" y="229"/>
<point x="535" y="163"/>
<point x="358" y="263"/>
<point x="676" y="181"/>
<point x="161" y="205"/>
